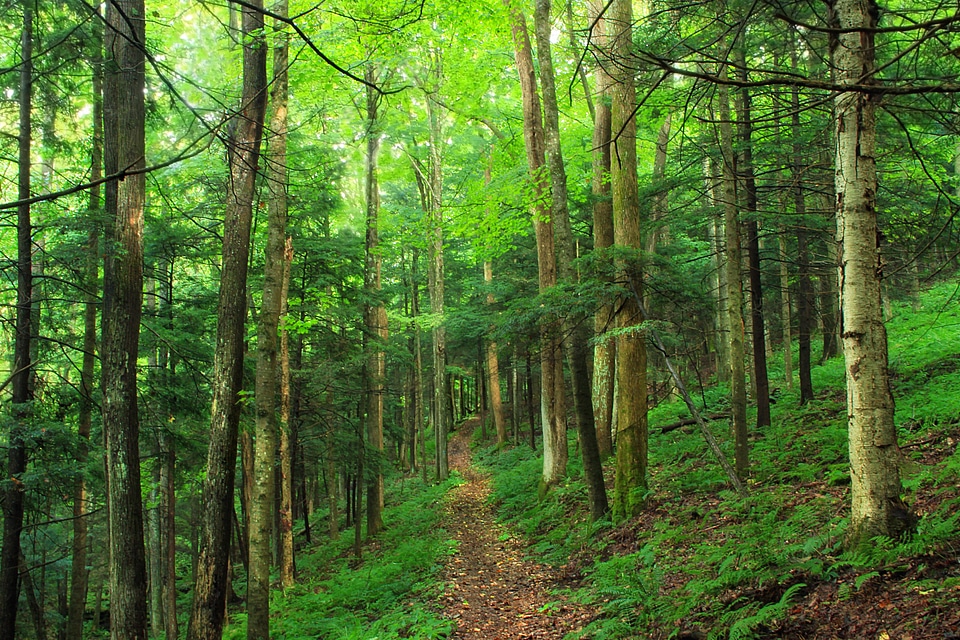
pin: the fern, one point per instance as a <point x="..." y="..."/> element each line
<point x="745" y="628"/>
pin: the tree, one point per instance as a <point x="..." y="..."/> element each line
<point x="631" y="367"/>
<point x="124" y="149"/>
<point x="243" y="152"/>
<point x="878" y="508"/>
<point x="264" y="503"/>
<point x="375" y="313"/>
<point x="734" y="307"/>
<point x="575" y="337"/>
<point x="22" y="362"/>
<point x="604" y="352"/>
<point x="552" y="403"/>
<point x="78" y="573"/>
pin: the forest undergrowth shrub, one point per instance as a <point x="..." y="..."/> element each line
<point x="702" y="557"/>
<point x="388" y="595"/>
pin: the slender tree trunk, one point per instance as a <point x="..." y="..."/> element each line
<point x="493" y="369"/>
<point x="805" y="289"/>
<point x="878" y="508"/>
<point x="13" y="498"/>
<point x="207" y="613"/>
<point x="575" y="337"/>
<point x="631" y="381"/>
<point x="604" y="351"/>
<point x="122" y="299"/>
<point x="745" y="129"/>
<point x="375" y="314"/>
<point x="552" y="402"/>
<point x="287" y="443"/>
<point x="79" y="575"/>
<point x="785" y="317"/>
<point x="731" y="226"/>
<point x="263" y="507"/>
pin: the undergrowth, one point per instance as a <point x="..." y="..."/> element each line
<point x="388" y="595"/>
<point x="700" y="557"/>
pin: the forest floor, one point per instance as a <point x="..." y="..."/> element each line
<point x="491" y="591"/>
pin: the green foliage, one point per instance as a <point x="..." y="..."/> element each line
<point x="734" y="566"/>
<point x="388" y="595"/>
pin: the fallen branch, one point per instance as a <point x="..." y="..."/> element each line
<point x="711" y="441"/>
<point x="686" y="422"/>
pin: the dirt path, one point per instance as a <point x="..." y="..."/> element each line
<point x="492" y="592"/>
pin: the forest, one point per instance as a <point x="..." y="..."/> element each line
<point x="430" y="319"/>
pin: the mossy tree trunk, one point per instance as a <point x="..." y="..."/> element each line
<point x="631" y="366"/>
<point x="243" y="152"/>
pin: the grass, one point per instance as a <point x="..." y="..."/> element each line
<point x="389" y="595"/>
<point x="701" y="557"/>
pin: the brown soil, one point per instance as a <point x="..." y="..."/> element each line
<point x="492" y="592"/>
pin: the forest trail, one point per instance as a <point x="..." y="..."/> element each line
<point x="492" y="593"/>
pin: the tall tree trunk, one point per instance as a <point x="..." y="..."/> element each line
<point x="13" y="498"/>
<point x="493" y="368"/>
<point x="79" y="575"/>
<point x="718" y="264"/>
<point x="604" y="351"/>
<point x="731" y="227"/>
<point x="552" y="402"/>
<point x="575" y="337"/>
<point x="418" y="424"/>
<point x="745" y="129"/>
<point x="375" y="314"/>
<point x="430" y="184"/>
<point x="207" y="613"/>
<point x="287" y="442"/>
<point x="122" y="299"/>
<point x="785" y="318"/>
<point x="878" y="508"/>
<point x="805" y="289"/>
<point x="263" y="507"/>
<point x="631" y="384"/>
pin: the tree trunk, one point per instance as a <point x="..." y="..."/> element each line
<point x="604" y="352"/>
<point x="785" y="309"/>
<point x="745" y="129"/>
<point x="805" y="289"/>
<point x="207" y="613"/>
<point x="287" y="443"/>
<point x="575" y="337"/>
<point x="122" y="299"/>
<point x="731" y="227"/>
<point x="13" y="499"/>
<point x="552" y="402"/>
<point x="631" y="367"/>
<point x="79" y="574"/>
<point x="878" y="508"/>
<point x="263" y="507"/>
<point x="375" y="315"/>
<point x="493" y="367"/>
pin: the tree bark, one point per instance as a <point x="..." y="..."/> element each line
<point x="575" y="337"/>
<point x="604" y="352"/>
<point x="631" y="367"/>
<point x="243" y="149"/>
<point x="493" y="368"/>
<point x="877" y="507"/>
<point x="263" y="506"/>
<point x="805" y="289"/>
<point x="287" y="443"/>
<point x="745" y="129"/>
<point x="731" y="227"/>
<point x="13" y="499"/>
<point x="552" y="403"/>
<point x="375" y="314"/>
<point x="124" y="147"/>
<point x="79" y="574"/>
